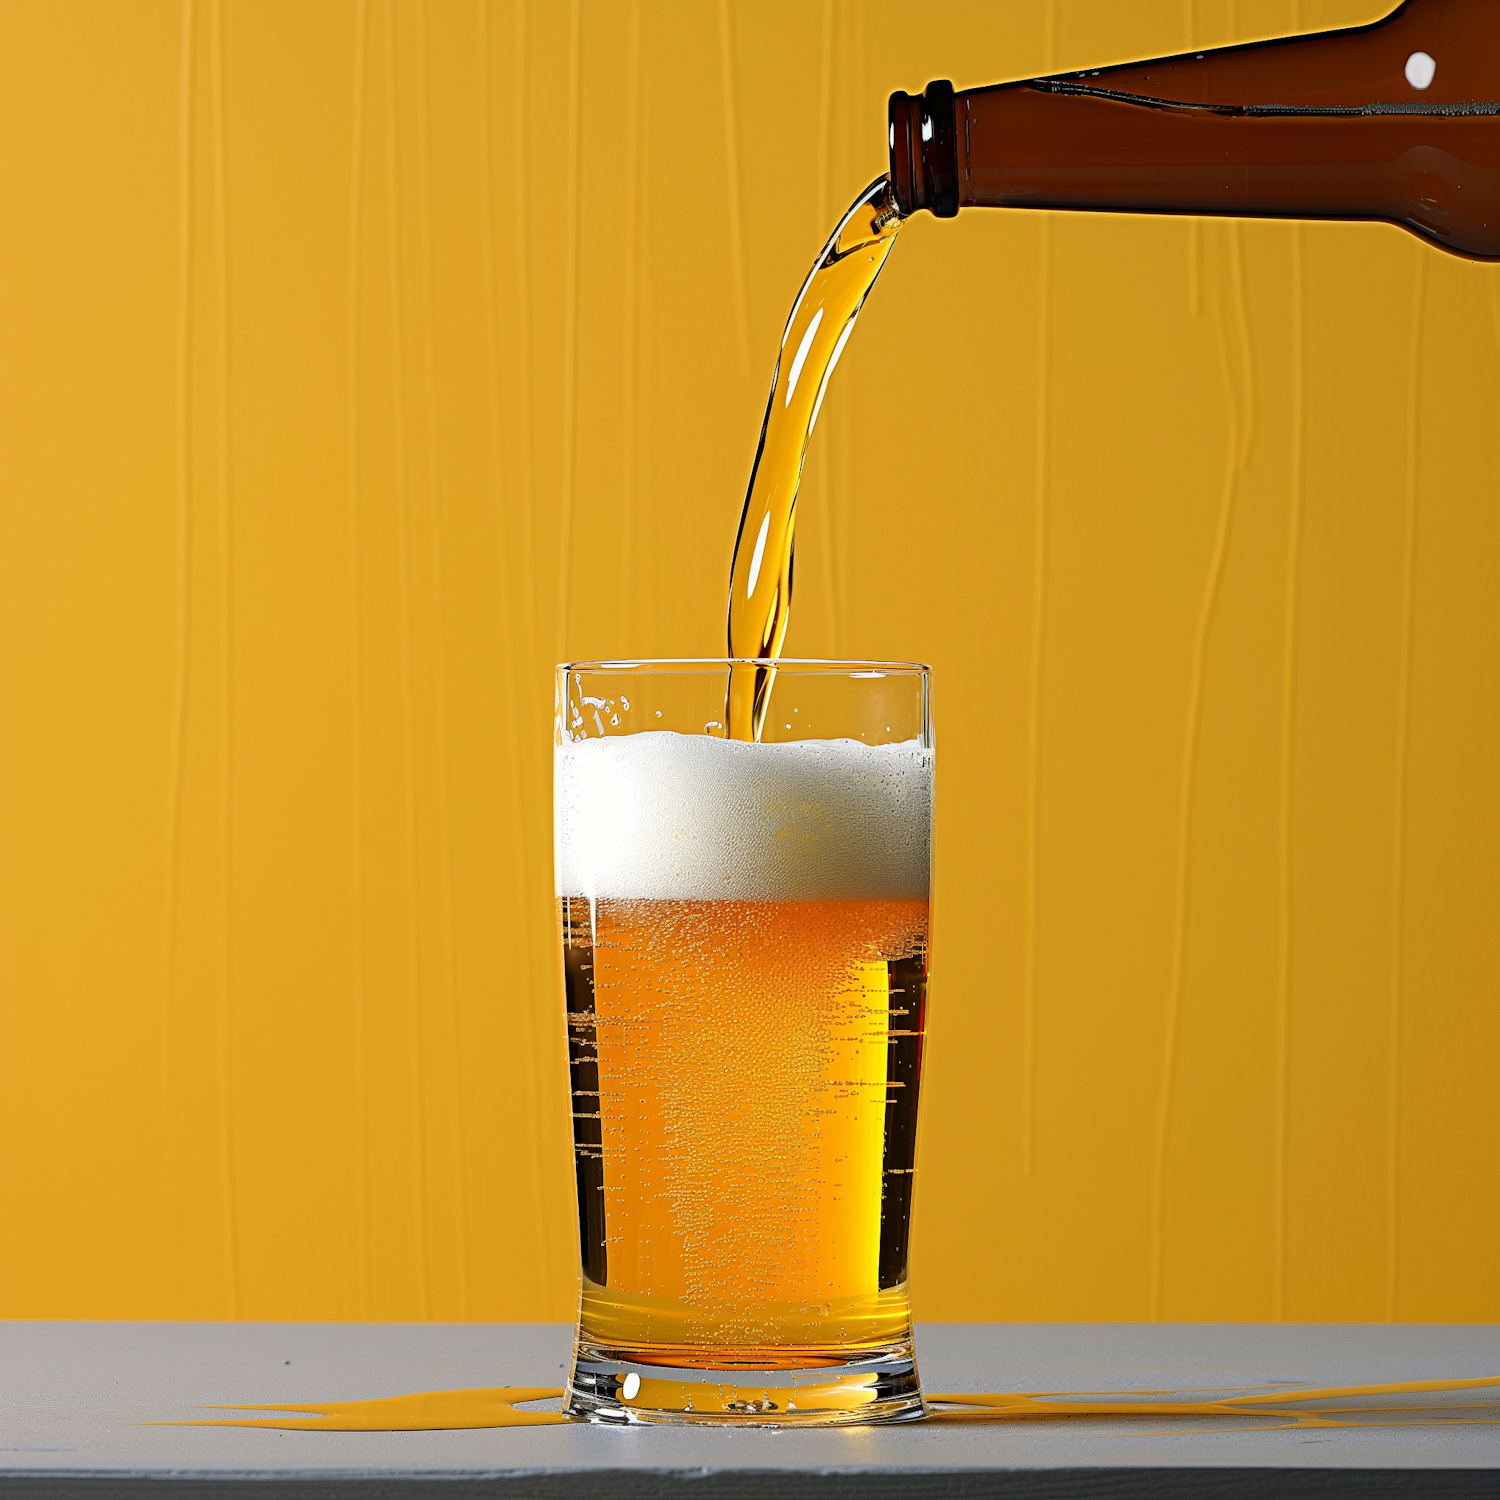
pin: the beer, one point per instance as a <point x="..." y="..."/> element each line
<point x="745" y="936"/>
<point x="821" y="321"/>
<point x="1399" y="120"/>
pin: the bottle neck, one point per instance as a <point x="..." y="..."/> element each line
<point x="924" y="150"/>
<point x="1398" y="121"/>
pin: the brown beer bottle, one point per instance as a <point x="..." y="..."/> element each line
<point x="1397" y="120"/>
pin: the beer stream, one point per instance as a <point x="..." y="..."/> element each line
<point x="823" y="317"/>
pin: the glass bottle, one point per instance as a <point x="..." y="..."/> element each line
<point x="1397" y="120"/>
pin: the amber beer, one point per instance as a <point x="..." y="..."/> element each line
<point x="745" y="939"/>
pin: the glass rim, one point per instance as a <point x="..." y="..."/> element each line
<point x="804" y="665"/>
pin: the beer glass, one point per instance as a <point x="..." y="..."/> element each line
<point x="745" y="951"/>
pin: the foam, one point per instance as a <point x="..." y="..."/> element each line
<point x="691" y="817"/>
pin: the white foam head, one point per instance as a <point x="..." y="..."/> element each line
<point x="691" y="817"/>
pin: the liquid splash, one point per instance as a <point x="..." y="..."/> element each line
<point x="1279" y="1410"/>
<point x="823" y="317"/>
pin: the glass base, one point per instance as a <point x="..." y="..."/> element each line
<point x="616" y="1387"/>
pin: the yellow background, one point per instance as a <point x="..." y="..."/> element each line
<point x="360" y="360"/>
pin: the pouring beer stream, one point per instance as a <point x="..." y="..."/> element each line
<point x="822" y="319"/>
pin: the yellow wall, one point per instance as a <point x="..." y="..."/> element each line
<point x="358" y="361"/>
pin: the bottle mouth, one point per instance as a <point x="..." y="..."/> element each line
<point x="923" y="139"/>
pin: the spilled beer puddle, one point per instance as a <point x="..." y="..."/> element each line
<point x="426" y="1411"/>
<point x="1278" y="1410"/>
<point x="495" y="1406"/>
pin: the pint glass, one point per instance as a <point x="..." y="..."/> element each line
<point x="745" y="949"/>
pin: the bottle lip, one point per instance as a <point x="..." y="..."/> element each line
<point x="923" y="141"/>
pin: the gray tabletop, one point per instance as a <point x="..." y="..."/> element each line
<point x="73" y="1396"/>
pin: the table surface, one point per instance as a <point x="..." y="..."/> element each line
<point x="73" y="1396"/>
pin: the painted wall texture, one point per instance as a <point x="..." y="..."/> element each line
<point x="359" y="360"/>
